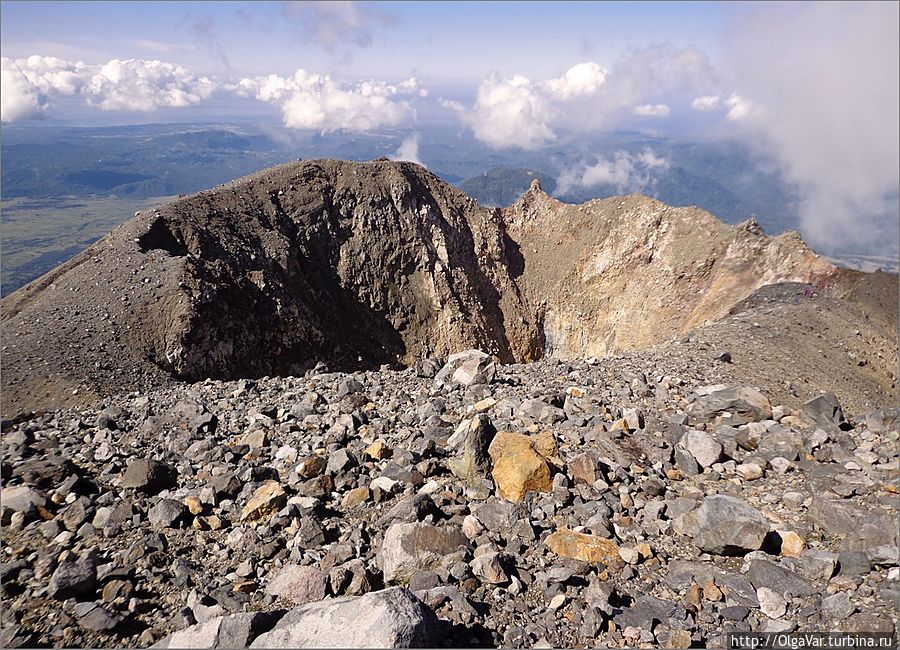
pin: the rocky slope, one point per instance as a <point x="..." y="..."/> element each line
<point x="360" y="264"/>
<point x="616" y="502"/>
<point x="705" y="439"/>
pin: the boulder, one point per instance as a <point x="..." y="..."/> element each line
<point x="732" y="405"/>
<point x="703" y="447"/>
<point x="411" y="547"/>
<point x="726" y="525"/>
<point x="517" y="467"/>
<point x="233" y="631"/>
<point x="474" y="439"/>
<point x="150" y="476"/>
<point x="392" y="618"/>
<point x="824" y="410"/>
<point x="268" y="499"/>
<point x="580" y="546"/>
<point x="298" y="584"/>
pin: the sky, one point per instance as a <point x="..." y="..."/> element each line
<point x="812" y="85"/>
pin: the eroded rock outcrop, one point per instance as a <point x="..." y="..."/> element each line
<point x="362" y="264"/>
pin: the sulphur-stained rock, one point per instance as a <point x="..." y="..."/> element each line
<point x="580" y="546"/>
<point x="268" y="499"/>
<point x="517" y="467"/>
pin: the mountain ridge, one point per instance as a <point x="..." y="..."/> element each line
<point x="363" y="264"/>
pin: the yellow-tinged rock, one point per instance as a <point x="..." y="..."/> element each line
<point x="575" y="392"/>
<point x="268" y="499"/>
<point x="644" y="549"/>
<point x="621" y="425"/>
<point x="517" y="467"/>
<point x="580" y="546"/>
<point x="545" y="445"/>
<point x="355" y="497"/>
<point x="679" y="639"/>
<point x="792" y="545"/>
<point x="377" y="450"/>
<point x="194" y="505"/>
<point x="245" y="587"/>
<point x="485" y="405"/>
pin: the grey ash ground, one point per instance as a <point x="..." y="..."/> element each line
<point x="729" y="463"/>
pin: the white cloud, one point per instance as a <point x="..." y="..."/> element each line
<point x="519" y="112"/>
<point x="511" y="112"/>
<point x="452" y="104"/>
<point x="30" y="85"/>
<point x="318" y="102"/>
<point x="138" y="85"/>
<point x="625" y="171"/>
<point x="580" y="79"/>
<point x="650" y="160"/>
<point x="652" y="110"/>
<point x="409" y="150"/>
<point x="740" y="108"/>
<point x="827" y="112"/>
<point x="706" y="103"/>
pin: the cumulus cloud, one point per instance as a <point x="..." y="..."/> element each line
<point x="706" y="103"/>
<point x="652" y="110"/>
<point x="409" y="150"/>
<point x="137" y="85"/>
<point x="30" y="85"/>
<point x="625" y="171"/>
<point x="318" y="102"/>
<point x="338" y="23"/>
<point x="826" y="109"/>
<point x="520" y="112"/>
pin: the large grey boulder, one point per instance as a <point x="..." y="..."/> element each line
<point x="705" y="449"/>
<point x="150" y="476"/>
<point x="298" y="584"/>
<point x="393" y="618"/>
<point x="726" y="525"/>
<point x="408" y="548"/>
<point x="75" y="576"/>
<point x="732" y="405"/>
<point x="467" y="368"/>
<point x="20" y="498"/>
<point x="824" y="410"/>
<point x="233" y="631"/>
<point x="473" y="438"/>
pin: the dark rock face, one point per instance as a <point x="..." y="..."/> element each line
<point x="356" y="264"/>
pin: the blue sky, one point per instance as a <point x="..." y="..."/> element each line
<point x="437" y="41"/>
<point x="812" y="85"/>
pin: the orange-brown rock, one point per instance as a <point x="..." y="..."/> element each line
<point x="517" y="467"/>
<point x="268" y="499"/>
<point x="580" y="546"/>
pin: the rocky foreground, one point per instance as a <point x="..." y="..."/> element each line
<point x="628" y="501"/>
